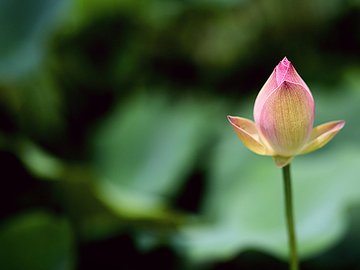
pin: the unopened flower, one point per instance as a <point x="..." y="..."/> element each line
<point x="284" y="115"/>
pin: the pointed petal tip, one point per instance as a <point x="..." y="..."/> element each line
<point x="322" y="134"/>
<point x="341" y="123"/>
<point x="232" y="120"/>
<point x="285" y="62"/>
<point x="335" y="125"/>
<point x="247" y="132"/>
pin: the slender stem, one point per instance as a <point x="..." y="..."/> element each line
<point x="293" y="263"/>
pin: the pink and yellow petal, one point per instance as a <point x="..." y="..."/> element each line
<point x="288" y="73"/>
<point x="284" y="71"/>
<point x="247" y="132"/>
<point x="286" y="119"/>
<point x="269" y="86"/>
<point x="321" y="135"/>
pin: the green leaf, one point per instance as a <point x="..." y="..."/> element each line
<point x="25" y="26"/>
<point x="341" y="104"/>
<point x="39" y="162"/>
<point x="144" y="151"/>
<point x="37" y="241"/>
<point x="244" y="205"/>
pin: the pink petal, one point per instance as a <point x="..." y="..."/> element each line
<point x="281" y="70"/>
<point x="247" y="132"/>
<point x="321" y="135"/>
<point x="287" y="72"/>
<point x="286" y="118"/>
<point x="284" y="71"/>
<point x="269" y="86"/>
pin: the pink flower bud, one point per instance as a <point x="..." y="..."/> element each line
<point x="284" y="115"/>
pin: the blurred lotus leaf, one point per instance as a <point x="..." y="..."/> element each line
<point x="24" y="28"/>
<point x="145" y="150"/>
<point x="243" y="208"/>
<point x="36" y="241"/>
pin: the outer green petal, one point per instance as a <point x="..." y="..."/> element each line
<point x="282" y="161"/>
<point x="247" y="132"/>
<point x="321" y="135"/>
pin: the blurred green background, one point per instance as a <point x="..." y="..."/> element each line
<point x="115" y="151"/>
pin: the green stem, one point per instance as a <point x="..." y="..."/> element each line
<point x="294" y="264"/>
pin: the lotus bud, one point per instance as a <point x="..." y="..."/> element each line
<point x="284" y="116"/>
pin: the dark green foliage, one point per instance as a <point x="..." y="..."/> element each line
<point x="115" y="150"/>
